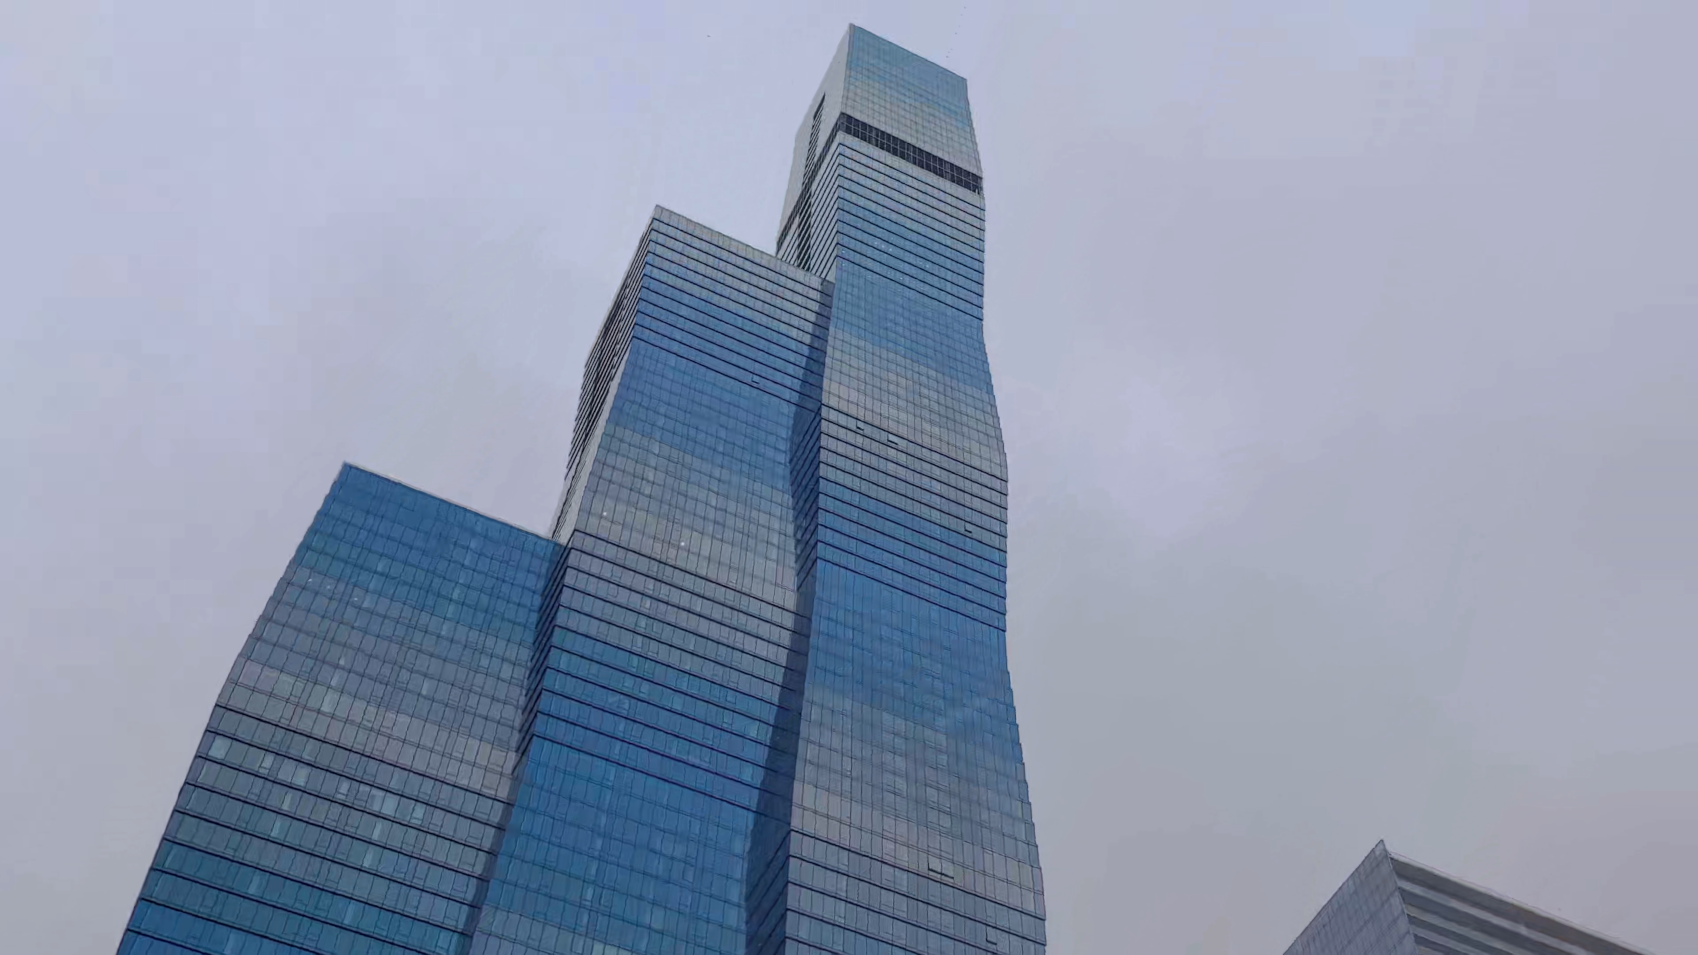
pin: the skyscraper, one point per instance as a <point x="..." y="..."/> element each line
<point x="750" y="693"/>
<point x="1394" y="906"/>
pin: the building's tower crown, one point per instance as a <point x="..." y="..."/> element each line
<point x="902" y="102"/>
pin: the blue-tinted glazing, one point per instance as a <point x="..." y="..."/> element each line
<point x="751" y="696"/>
<point x="912" y="829"/>
<point x="661" y="683"/>
<point x="353" y="779"/>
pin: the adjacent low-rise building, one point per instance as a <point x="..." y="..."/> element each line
<point x="1395" y="906"/>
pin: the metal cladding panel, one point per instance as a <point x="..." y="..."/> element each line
<point x="1393" y="906"/>
<point x="1447" y="915"/>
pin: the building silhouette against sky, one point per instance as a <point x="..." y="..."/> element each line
<point x="1394" y="906"/>
<point x="750" y="692"/>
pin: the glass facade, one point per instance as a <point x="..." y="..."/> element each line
<point x="1394" y="906"/>
<point x="750" y="694"/>
<point x="350" y="789"/>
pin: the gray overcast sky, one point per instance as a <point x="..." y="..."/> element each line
<point x="1345" y="352"/>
